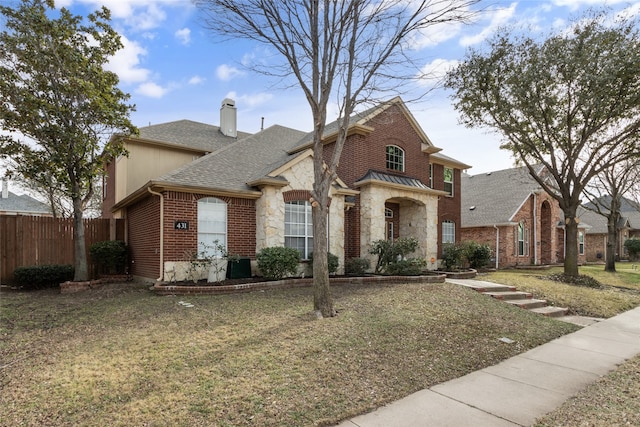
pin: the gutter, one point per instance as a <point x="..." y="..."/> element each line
<point x="161" y="277"/>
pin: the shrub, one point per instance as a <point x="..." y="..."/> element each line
<point x="278" y="262"/>
<point x="110" y="255"/>
<point x="452" y="256"/>
<point x="477" y="255"/>
<point x="332" y="262"/>
<point x="42" y="276"/>
<point x="407" y="267"/>
<point x="391" y="252"/>
<point x="357" y="266"/>
<point x="633" y="247"/>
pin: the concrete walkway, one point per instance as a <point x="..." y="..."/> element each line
<point x="519" y="390"/>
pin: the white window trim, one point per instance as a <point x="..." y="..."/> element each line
<point x="401" y="163"/>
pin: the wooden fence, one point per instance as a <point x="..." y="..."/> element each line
<point x="32" y="240"/>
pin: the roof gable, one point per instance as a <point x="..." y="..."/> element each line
<point x="364" y="122"/>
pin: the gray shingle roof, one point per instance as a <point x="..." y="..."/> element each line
<point x="494" y="196"/>
<point x="23" y="204"/>
<point x="187" y="133"/>
<point x="630" y="214"/>
<point x="245" y="160"/>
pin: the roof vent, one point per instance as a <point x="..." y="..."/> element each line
<point x="489" y="173"/>
<point x="472" y="208"/>
<point x="228" y="118"/>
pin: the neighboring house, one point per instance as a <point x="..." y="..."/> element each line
<point x="14" y="204"/>
<point x="509" y="211"/>
<point x="596" y="239"/>
<point x="185" y="184"/>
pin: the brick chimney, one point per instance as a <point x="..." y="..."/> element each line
<point x="228" y="118"/>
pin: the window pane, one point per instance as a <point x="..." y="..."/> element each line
<point x="212" y="225"/>
<point x="298" y="227"/>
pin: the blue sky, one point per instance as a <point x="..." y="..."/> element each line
<point x="174" y="70"/>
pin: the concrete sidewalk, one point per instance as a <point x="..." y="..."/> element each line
<point x="519" y="390"/>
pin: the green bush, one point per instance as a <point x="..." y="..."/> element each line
<point x="633" y="247"/>
<point x="391" y="252"/>
<point x="357" y="266"/>
<point x="333" y="262"/>
<point x="42" y="276"/>
<point x="477" y="255"/>
<point x="452" y="257"/>
<point x="278" y="262"/>
<point x="407" y="267"/>
<point x="111" y="256"/>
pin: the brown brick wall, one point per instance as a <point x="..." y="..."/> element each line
<point x="241" y="225"/>
<point x="144" y="237"/>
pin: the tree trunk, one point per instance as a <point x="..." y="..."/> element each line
<point x="612" y="243"/>
<point x="79" y="247"/>
<point x="571" y="246"/>
<point x="322" y="301"/>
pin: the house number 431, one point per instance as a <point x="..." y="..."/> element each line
<point x="181" y="225"/>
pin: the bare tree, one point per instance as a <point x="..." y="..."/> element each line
<point x="606" y="193"/>
<point x="339" y="51"/>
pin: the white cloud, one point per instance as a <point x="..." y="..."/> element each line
<point x="499" y="18"/>
<point x="436" y="70"/>
<point x="125" y="63"/>
<point x="252" y="100"/>
<point x="183" y="35"/>
<point x="225" y="72"/>
<point x="434" y="35"/>
<point x="576" y="4"/>
<point x="196" y="80"/>
<point x="151" y="90"/>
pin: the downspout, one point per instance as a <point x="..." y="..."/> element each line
<point x="497" y="244"/>
<point x="161" y="277"/>
<point x="535" y="229"/>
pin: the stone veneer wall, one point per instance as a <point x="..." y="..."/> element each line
<point x="418" y="218"/>
<point x="270" y="211"/>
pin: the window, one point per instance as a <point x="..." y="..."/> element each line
<point x="430" y="175"/>
<point x="390" y="231"/>
<point x="298" y="227"/>
<point x="448" y="232"/>
<point x="388" y="213"/>
<point x="212" y="225"/>
<point x="580" y="242"/>
<point x="395" y="158"/>
<point x="448" y="181"/>
<point x="523" y="240"/>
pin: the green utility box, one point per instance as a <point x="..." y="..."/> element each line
<point x="239" y="269"/>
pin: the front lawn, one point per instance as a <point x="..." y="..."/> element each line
<point x="125" y="357"/>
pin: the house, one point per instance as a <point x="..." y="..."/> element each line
<point x="14" y="204"/>
<point x="185" y="185"/>
<point x="596" y="238"/>
<point x="509" y="211"/>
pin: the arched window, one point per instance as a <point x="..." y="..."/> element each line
<point x="448" y="232"/>
<point x="298" y="227"/>
<point x="395" y="158"/>
<point x="212" y="225"/>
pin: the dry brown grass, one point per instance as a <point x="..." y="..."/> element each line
<point x="126" y="357"/>
<point x="620" y="290"/>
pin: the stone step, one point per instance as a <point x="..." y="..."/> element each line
<point x="551" y="311"/>
<point x="482" y="286"/>
<point x="510" y="295"/>
<point x="528" y="304"/>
